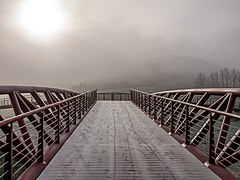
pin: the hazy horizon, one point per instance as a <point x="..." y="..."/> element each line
<point x="81" y="41"/>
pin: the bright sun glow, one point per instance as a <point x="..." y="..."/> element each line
<point x="41" y="17"/>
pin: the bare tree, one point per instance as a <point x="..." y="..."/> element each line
<point x="235" y="76"/>
<point x="238" y="78"/>
<point x="214" y="79"/>
<point x="222" y="78"/>
<point x="201" y="80"/>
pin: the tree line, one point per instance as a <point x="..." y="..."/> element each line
<point x="224" y="78"/>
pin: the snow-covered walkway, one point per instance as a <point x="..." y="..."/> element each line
<point x="117" y="141"/>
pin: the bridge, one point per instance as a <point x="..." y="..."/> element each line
<point x="50" y="133"/>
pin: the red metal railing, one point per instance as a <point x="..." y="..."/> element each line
<point x="204" y="121"/>
<point x="113" y="96"/>
<point x="31" y="138"/>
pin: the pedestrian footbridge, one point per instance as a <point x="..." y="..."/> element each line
<point x="49" y="133"/>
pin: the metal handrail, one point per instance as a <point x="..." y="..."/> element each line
<point x="190" y="122"/>
<point x="113" y="96"/>
<point x="31" y="144"/>
<point x="190" y="104"/>
<point x="23" y="115"/>
<point x="6" y="89"/>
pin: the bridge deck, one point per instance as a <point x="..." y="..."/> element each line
<point x="117" y="141"/>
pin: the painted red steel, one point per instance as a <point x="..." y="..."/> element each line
<point x="205" y="121"/>
<point x="37" y="130"/>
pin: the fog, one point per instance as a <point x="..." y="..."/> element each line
<point x="105" y="40"/>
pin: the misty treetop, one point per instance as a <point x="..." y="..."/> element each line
<point x="224" y="78"/>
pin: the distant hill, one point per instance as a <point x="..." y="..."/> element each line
<point x="160" y="69"/>
<point x="153" y="74"/>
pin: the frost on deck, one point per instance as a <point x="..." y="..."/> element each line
<point x="117" y="141"/>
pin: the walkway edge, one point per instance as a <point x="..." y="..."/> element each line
<point x="34" y="171"/>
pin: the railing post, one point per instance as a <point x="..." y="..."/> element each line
<point x="187" y="129"/>
<point x="131" y="96"/>
<point x="112" y="96"/>
<point x="136" y="100"/>
<point x="145" y="103"/>
<point x="91" y="100"/>
<point x="211" y="151"/>
<point x="172" y="118"/>
<point x="149" y="105"/>
<point x="139" y="100"/>
<point x="88" y="101"/>
<point x="40" y="154"/>
<point x="82" y="104"/>
<point x="80" y="108"/>
<point x="9" y="156"/>
<point x="134" y="97"/>
<point x="95" y="96"/>
<point x="162" y="113"/>
<point x="68" y="119"/>
<point x="75" y="111"/>
<point x="85" y="103"/>
<point x="57" y="134"/>
<point x="154" y="107"/>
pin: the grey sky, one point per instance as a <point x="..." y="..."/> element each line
<point x="102" y="34"/>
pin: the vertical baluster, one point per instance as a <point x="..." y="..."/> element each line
<point x="40" y="155"/>
<point x="57" y="134"/>
<point x="149" y="105"/>
<point x="137" y="96"/>
<point x="95" y="96"/>
<point x="82" y="105"/>
<point x="112" y="96"/>
<point x="79" y="107"/>
<point x="211" y="153"/>
<point x="187" y="128"/>
<point x="172" y="118"/>
<point x="85" y="103"/>
<point x="68" y="118"/>
<point x="162" y="113"/>
<point x="9" y="156"/>
<point x="75" y="111"/>
<point x="133" y="97"/>
<point x="140" y="100"/>
<point x="145" y="103"/>
<point x="155" y="107"/>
